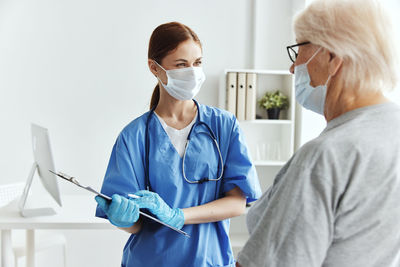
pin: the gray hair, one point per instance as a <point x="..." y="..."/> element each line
<point x="359" y="32"/>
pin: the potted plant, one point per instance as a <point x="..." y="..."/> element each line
<point x="274" y="102"/>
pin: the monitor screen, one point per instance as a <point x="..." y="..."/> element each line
<point x="44" y="160"/>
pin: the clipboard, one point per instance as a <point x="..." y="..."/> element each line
<point x="88" y="188"/>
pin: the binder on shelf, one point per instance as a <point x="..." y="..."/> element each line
<point x="231" y="92"/>
<point x="241" y="97"/>
<point x="251" y="96"/>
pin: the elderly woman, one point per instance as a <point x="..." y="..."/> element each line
<point x="337" y="201"/>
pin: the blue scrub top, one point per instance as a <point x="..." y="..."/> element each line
<point x="156" y="245"/>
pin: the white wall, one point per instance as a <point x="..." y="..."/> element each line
<point x="272" y="34"/>
<point x="393" y="7"/>
<point x="79" y="68"/>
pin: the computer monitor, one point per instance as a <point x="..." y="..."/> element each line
<point x="43" y="162"/>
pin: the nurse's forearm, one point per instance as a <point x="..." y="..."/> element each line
<point x="134" y="228"/>
<point x="232" y="205"/>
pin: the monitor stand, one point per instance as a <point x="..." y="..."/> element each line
<point x="32" y="212"/>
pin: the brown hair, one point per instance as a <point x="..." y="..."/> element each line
<point x="164" y="39"/>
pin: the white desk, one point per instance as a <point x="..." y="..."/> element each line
<point x="77" y="212"/>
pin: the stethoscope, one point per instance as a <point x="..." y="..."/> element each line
<point x="197" y="123"/>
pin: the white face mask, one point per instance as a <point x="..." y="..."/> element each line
<point x="184" y="83"/>
<point x="312" y="98"/>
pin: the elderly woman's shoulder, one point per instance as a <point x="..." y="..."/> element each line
<point x="323" y="150"/>
<point x="314" y="148"/>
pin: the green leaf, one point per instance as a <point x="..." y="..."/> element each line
<point x="274" y="100"/>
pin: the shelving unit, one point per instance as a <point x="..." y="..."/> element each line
<point x="264" y="121"/>
<point x="266" y="163"/>
<point x="237" y="242"/>
<point x="271" y="142"/>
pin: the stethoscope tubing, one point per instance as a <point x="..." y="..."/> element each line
<point x="197" y="123"/>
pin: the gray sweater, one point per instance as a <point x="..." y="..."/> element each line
<point x="336" y="203"/>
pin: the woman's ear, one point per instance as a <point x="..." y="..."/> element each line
<point x="335" y="63"/>
<point x="152" y="67"/>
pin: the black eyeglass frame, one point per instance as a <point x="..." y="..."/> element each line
<point x="290" y="47"/>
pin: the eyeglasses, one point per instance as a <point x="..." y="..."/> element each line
<point x="292" y="51"/>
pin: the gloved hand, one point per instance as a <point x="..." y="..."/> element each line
<point x="156" y="205"/>
<point x="121" y="212"/>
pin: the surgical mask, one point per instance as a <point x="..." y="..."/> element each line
<point x="312" y="98"/>
<point x="184" y="83"/>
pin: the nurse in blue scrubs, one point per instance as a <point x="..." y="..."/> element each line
<point x="187" y="162"/>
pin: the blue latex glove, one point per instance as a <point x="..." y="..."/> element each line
<point x="121" y="211"/>
<point x="156" y="205"/>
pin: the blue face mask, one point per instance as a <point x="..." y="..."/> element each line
<point x="312" y="98"/>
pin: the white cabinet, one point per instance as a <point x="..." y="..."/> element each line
<point x="271" y="142"/>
